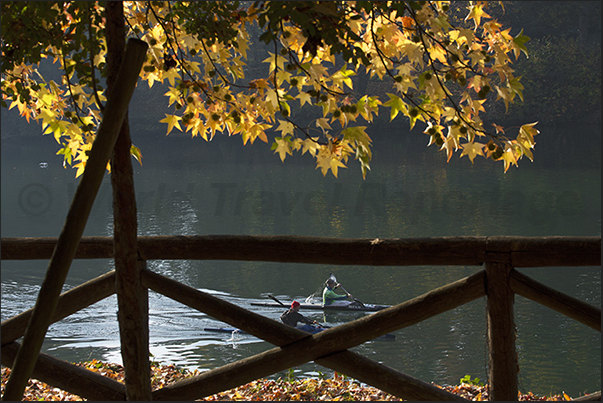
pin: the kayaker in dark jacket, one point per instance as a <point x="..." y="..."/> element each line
<point x="292" y="316"/>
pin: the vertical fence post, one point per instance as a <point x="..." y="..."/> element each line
<point x="133" y="316"/>
<point x="132" y="297"/>
<point x="501" y="329"/>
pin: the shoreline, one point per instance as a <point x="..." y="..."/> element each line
<point x="339" y="387"/>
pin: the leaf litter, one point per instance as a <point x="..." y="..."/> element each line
<point x="337" y="388"/>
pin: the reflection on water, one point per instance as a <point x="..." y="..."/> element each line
<point x="251" y="192"/>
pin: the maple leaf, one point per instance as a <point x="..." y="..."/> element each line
<point x="172" y="121"/>
<point x="449" y="145"/>
<point x="477" y="13"/>
<point x="525" y="139"/>
<point x="285" y="127"/>
<point x="516" y="86"/>
<point x="326" y="161"/>
<point x="173" y="94"/>
<point x="518" y="44"/>
<point x="499" y="129"/>
<point x="304" y="98"/>
<point x="256" y="131"/>
<point x="509" y="158"/>
<point x="335" y="164"/>
<point x="472" y="150"/>
<point x="343" y="76"/>
<point x="310" y="145"/>
<point x="171" y="76"/>
<point x="272" y="98"/>
<point x="135" y="151"/>
<point x="529" y="131"/>
<point x="323" y="124"/>
<point x="282" y="146"/>
<point x="397" y="105"/>
<point x="198" y="129"/>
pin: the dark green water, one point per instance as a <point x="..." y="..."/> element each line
<point x="187" y="186"/>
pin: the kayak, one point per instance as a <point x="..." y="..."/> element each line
<point x="353" y="307"/>
<point x="305" y="328"/>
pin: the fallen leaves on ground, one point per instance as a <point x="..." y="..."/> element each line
<point x="336" y="388"/>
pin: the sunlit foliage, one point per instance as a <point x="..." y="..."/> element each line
<point x="442" y="76"/>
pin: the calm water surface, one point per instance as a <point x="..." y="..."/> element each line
<point x="190" y="187"/>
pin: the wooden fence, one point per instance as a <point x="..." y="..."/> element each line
<point x="498" y="281"/>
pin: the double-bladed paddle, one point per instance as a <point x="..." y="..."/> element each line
<point x="332" y="277"/>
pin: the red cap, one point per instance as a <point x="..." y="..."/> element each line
<point x="294" y="304"/>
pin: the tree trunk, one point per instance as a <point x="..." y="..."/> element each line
<point x="132" y="298"/>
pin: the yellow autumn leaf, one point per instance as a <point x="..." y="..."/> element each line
<point x="472" y="150"/>
<point x="310" y="146"/>
<point x="282" y="147"/>
<point x="304" y="98"/>
<point x="323" y="124"/>
<point x="171" y="75"/>
<point x="285" y="127"/>
<point x="173" y="94"/>
<point x="509" y="158"/>
<point x="172" y="121"/>
<point x="476" y="13"/>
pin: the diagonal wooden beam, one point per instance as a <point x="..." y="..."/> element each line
<point x="69" y="303"/>
<point x="385" y="378"/>
<point x="297" y="347"/>
<point x="560" y="302"/>
<point x="61" y="374"/>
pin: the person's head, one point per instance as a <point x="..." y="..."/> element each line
<point x="295" y="305"/>
<point x="331" y="283"/>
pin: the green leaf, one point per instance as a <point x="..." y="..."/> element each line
<point x="519" y="44"/>
<point x="135" y="151"/>
<point x="397" y="105"/>
<point x="516" y="86"/>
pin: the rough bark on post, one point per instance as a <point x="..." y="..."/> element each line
<point x="501" y="329"/>
<point x="132" y="297"/>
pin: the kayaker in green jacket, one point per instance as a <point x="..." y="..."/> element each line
<point x="330" y="297"/>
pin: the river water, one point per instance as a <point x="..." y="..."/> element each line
<point x="187" y="186"/>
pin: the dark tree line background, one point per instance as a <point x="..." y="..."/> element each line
<point x="562" y="76"/>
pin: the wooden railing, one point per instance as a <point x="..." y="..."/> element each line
<point x="498" y="281"/>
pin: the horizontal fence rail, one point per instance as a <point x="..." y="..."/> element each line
<point x="522" y="251"/>
<point x="330" y="348"/>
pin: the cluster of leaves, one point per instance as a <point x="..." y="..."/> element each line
<point x="473" y="389"/>
<point x="475" y="381"/>
<point x="336" y="388"/>
<point x="73" y="35"/>
<point x="440" y="74"/>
